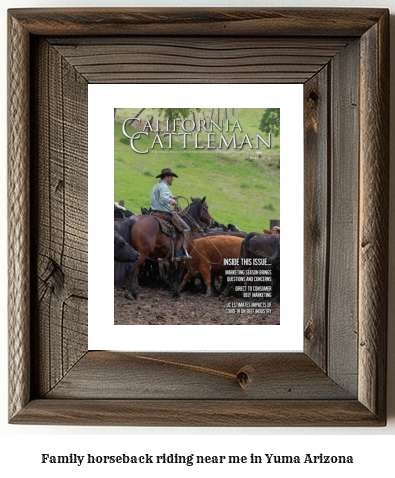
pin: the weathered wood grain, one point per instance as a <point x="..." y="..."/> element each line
<point x="209" y="59"/>
<point x="344" y="217"/>
<point x="18" y="229"/>
<point x="196" y="376"/>
<point x="253" y="22"/>
<point x="316" y="214"/>
<point x="202" y="413"/>
<point x="373" y="227"/>
<point x="61" y="199"/>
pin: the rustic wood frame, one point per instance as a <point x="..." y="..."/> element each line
<point x="342" y="58"/>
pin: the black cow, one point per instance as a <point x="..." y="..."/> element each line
<point x="123" y="252"/>
<point x="259" y="245"/>
<point x="121" y="213"/>
<point x="216" y="224"/>
<point x="274" y="261"/>
<point x="233" y="228"/>
<point x="118" y="212"/>
<point x="266" y="246"/>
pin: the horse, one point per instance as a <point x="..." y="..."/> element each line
<point x="145" y="235"/>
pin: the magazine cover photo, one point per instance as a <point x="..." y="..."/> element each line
<point x="197" y="216"/>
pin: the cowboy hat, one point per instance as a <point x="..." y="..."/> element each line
<point x="166" y="172"/>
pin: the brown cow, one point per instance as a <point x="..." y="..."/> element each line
<point x="275" y="230"/>
<point x="208" y="254"/>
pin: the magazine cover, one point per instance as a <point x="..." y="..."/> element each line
<point x="197" y="216"/>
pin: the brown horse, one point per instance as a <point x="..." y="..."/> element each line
<point x="144" y="234"/>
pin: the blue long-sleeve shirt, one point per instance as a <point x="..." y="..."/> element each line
<point x="161" y="197"/>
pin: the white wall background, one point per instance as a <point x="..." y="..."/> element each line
<point x="22" y="446"/>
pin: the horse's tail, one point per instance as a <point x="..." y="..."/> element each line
<point x="124" y="269"/>
<point x="124" y="229"/>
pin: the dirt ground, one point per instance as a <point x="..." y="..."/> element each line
<point x="156" y="306"/>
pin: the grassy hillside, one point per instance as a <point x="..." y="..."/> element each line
<point x="241" y="186"/>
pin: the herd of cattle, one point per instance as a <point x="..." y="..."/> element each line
<point x="214" y="250"/>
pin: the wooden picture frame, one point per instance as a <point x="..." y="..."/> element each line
<point x="342" y="58"/>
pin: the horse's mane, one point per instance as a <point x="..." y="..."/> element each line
<point x="192" y="210"/>
<point x="195" y="203"/>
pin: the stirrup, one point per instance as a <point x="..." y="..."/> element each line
<point x="185" y="257"/>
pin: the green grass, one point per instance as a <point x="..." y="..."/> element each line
<point x="244" y="192"/>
